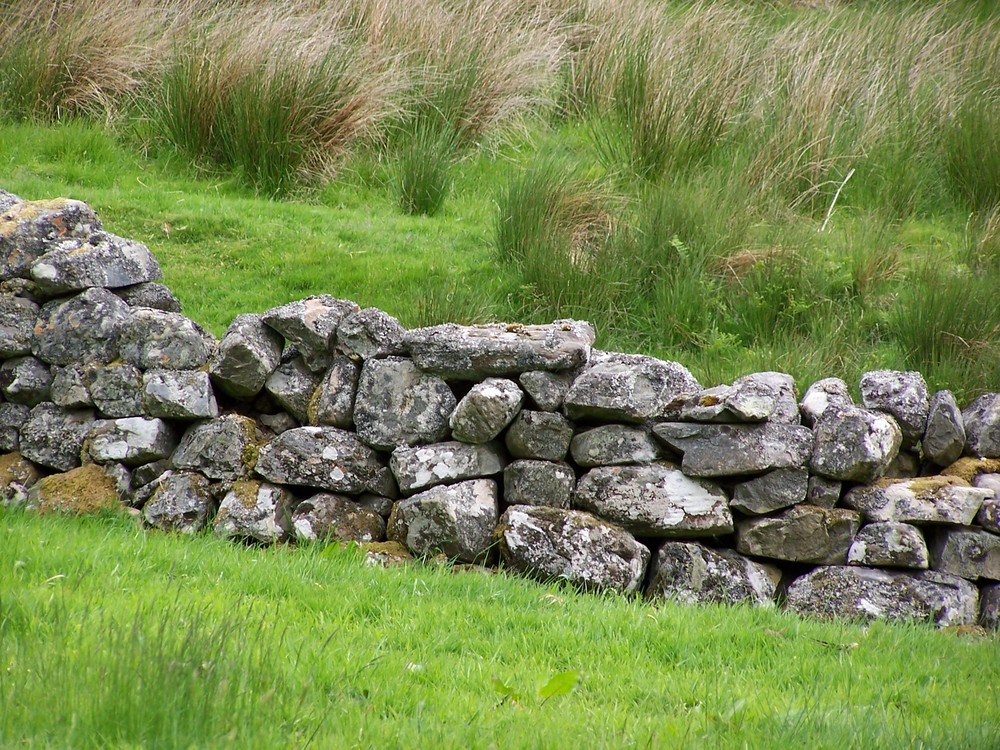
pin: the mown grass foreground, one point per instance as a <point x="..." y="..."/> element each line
<point x="111" y="636"/>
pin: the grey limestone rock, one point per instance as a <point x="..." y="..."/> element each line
<point x="85" y="329"/>
<point x="988" y="516"/>
<point x="397" y="404"/>
<point x="223" y="448"/>
<point x="692" y="573"/>
<point x="944" y="437"/>
<point x="54" y="437"/>
<point x="982" y="426"/>
<point x="149" y="294"/>
<point x="754" y="402"/>
<point x="255" y="511"/>
<point x="278" y="422"/>
<point x="17" y="325"/>
<point x="578" y="547"/>
<point x="25" y="380"/>
<point x="989" y="613"/>
<point x="615" y="444"/>
<point x="485" y="410"/>
<point x="418" y="467"/>
<point x="12" y="418"/>
<point x="823" y="492"/>
<point x="906" y="465"/>
<point x="802" y="533"/>
<point x="333" y="401"/>
<point x="782" y="385"/>
<point x="900" y="394"/>
<point x="775" y="490"/>
<point x="293" y="385"/>
<point x="147" y="473"/>
<point x="968" y="553"/>
<point x="498" y="349"/>
<point x="179" y="501"/>
<point x="539" y="434"/>
<point x="866" y="593"/>
<point x="335" y="518"/>
<point x="454" y="520"/>
<point x="531" y="482"/>
<point x="854" y="444"/>
<point x="370" y="334"/>
<point x="178" y="394"/>
<point x="116" y="390"/>
<point x="158" y="340"/>
<point x="311" y="325"/>
<point x="655" y="500"/>
<point x="102" y="259"/>
<point x="712" y="450"/>
<point x="7" y="200"/>
<point x="947" y="500"/>
<point x="247" y="354"/>
<point x="889" y="545"/>
<point x="376" y="503"/>
<point x="822" y="395"/>
<point x="29" y="229"/>
<point x="69" y="387"/>
<point x="547" y="389"/>
<point x="130" y="440"/>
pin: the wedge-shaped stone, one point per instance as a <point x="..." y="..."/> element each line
<point x="982" y="426"/>
<point x="332" y="402"/>
<point x="223" y="448"/>
<point x="969" y="553"/>
<point x="497" y="349"/>
<point x="803" y="533"/>
<point x="444" y="463"/>
<point x="867" y="593"/>
<point x="54" y="437"/>
<point x="335" y="518"/>
<point x="131" y="440"/>
<point x="178" y="394"/>
<point x="944" y="437"/>
<point x="854" y="445"/>
<point x="69" y="387"/>
<point x="733" y="450"/>
<point x="255" y="511"/>
<point x="102" y="259"/>
<point x="655" y="500"/>
<point x="902" y="395"/>
<point x="370" y="334"/>
<point x="326" y="458"/>
<point x="248" y="353"/>
<point x="25" y="380"/>
<point x="17" y="325"/>
<point x="889" y="545"/>
<point x="627" y="388"/>
<point x="158" y="340"/>
<point x="758" y="397"/>
<point x="578" y="547"/>
<point x="116" y="390"/>
<point x="925" y="500"/>
<point x="822" y="395"/>
<point x="616" y="444"/>
<point x="775" y="490"/>
<point x="29" y="229"/>
<point x="485" y="410"/>
<point x="530" y="482"/>
<point x="149" y="294"/>
<point x="293" y="385"/>
<point x="692" y="573"/>
<point x="456" y="520"/>
<point x="311" y="325"/>
<point x="85" y="329"/>
<point x="179" y="501"/>
<point x="12" y="418"/>
<point x="539" y="434"/>
<point x="547" y="389"/>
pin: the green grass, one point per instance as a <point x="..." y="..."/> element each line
<point x="112" y="636"/>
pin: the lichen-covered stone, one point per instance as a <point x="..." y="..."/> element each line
<point x="277" y="423"/>
<point x="116" y="390"/>
<point x="822" y="395"/>
<point x="866" y="593"/>
<point x="969" y="467"/>
<point x="499" y="349"/>
<point x="255" y="511"/>
<point x="333" y="401"/>
<point x="754" y="402"/>
<point x="178" y="394"/>
<point x="775" y="490"/>
<point x="158" y="340"/>
<point x="802" y="533"/>
<point x="968" y="553"/>
<point x="17" y="325"/>
<point x="370" y="334"/>
<point x="655" y="500"/>
<point x="988" y="516"/>
<point x="7" y="201"/>
<point x="900" y="394"/>
<point x="982" y="426"/>
<point x="718" y="450"/>
<point x="418" y="467"/>
<point x="248" y="353"/>
<point x="85" y="489"/>
<point x="293" y="385"/>
<point x="376" y="503"/>
<point x="326" y="458"/>
<point x="28" y="230"/>
<point x="82" y="330"/>
<point x="102" y="259"/>
<point x="854" y="444"/>
<point x="397" y="404"/>
<point x="54" y="437"/>
<point x="131" y="440"/>
<point x="335" y="518"/>
<point x="823" y="492"/>
<point x="485" y="410"/>
<point x="223" y="448"/>
<point x="539" y="434"/>
<point x="455" y="520"/>
<point x="989" y="613"/>
<point x="180" y="501"/>
<point x="546" y="389"/>
<point x="906" y="465"/>
<point x="25" y="380"/>
<point x="616" y="444"/>
<point x="628" y="388"/>
<point x="17" y="475"/>
<point x="944" y="436"/>
<point x="889" y="545"/>
<point x="311" y="326"/>
<point x="149" y="294"/>
<point x="578" y="547"/>
<point x="940" y="499"/>
<point x="69" y="387"/>
<point x="531" y="482"/>
<point x="692" y="573"/>
<point x="12" y="419"/>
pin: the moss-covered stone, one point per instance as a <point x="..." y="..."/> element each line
<point x="87" y="489"/>
<point x="969" y="468"/>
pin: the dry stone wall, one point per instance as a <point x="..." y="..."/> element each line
<point x="511" y="445"/>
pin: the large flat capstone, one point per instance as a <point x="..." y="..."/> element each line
<point x="719" y="450"/>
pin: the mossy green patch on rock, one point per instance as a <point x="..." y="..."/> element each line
<point x="87" y="489"/>
<point x="246" y="492"/>
<point x="969" y="468"/>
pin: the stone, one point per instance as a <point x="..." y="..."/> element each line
<point x="968" y="468"/>
<point x="54" y="437"/>
<point x="418" y="467"/>
<point x="254" y="511"/>
<point x="311" y="326"/>
<point x="968" y="553"/>
<point x="552" y="543"/>
<point x="143" y="475"/>
<point x="889" y="544"/>
<point x="69" y="387"/>
<point x="822" y="395"/>
<point x="292" y="385"/>
<point x="782" y="385"/>
<point x="398" y="405"/>
<point x="628" y="388"/>
<point x="802" y="533"/>
<point x="944" y="436"/>
<point x="7" y="201"/>
<point x="823" y="492"/>
<point x="989" y="512"/>
<point x="854" y="444"/>
<point x="376" y="503"/>
<point x="17" y="475"/>
<point x="102" y="260"/>
<point x="539" y="434"/>
<point x="499" y="349"/>
<point x="116" y="390"/>
<point x="866" y="593"/>
<point x="12" y="418"/>
<point x="326" y="458"/>
<point x="940" y="499"/>
<point x="247" y="354"/>
<point x="615" y="444"/>
<point x="149" y="294"/>
<point x="82" y="330"/>
<point x="278" y="423"/>
<point x="546" y="389"/>
<point x="725" y="404"/>
<point x="85" y="489"/>
<point x="773" y="491"/>
<point x="131" y="440"/>
<point x="655" y="500"/>
<point x="17" y="325"/>
<point x="370" y="334"/>
<point x="222" y="448"/>
<point x="335" y="518"/>
<point x="158" y="340"/>
<point x="692" y="573"/>
<point x="28" y="230"/>
<point x="989" y="613"/>
<point x="455" y="520"/>
<point x="25" y="380"/>
<point x="902" y="395"/>
<point x="385" y="554"/>
<point x="982" y="426"/>
<point x="712" y="450"/>
<point x="178" y="394"/>
<point x="531" y="482"/>
<point x="333" y="401"/>
<point x="486" y="410"/>
<point x="905" y="465"/>
<point x="180" y="501"/>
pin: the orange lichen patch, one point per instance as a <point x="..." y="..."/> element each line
<point x="925" y="485"/>
<point x="87" y="489"/>
<point x="969" y="468"/>
<point x="709" y="401"/>
<point x="246" y="492"/>
<point x="15" y="468"/>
